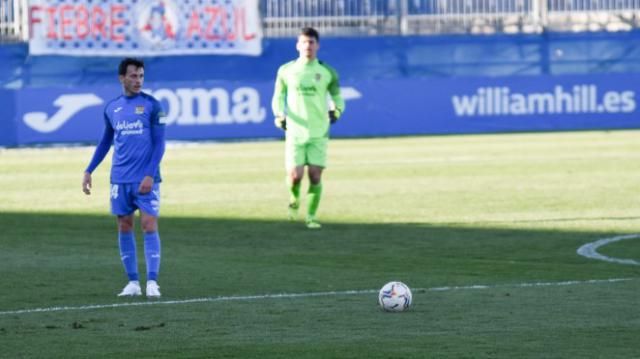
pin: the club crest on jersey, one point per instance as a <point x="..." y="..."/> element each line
<point x="139" y="110"/>
<point x="318" y="77"/>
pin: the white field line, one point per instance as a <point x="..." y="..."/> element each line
<point x="303" y="295"/>
<point x="590" y="250"/>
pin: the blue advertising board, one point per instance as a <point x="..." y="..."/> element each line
<point x="491" y="105"/>
<point x="228" y="110"/>
<point x="7" y="123"/>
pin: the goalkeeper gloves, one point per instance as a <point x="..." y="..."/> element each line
<point x="334" y="115"/>
<point x="281" y="122"/>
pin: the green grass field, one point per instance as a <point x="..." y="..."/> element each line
<point x="442" y="214"/>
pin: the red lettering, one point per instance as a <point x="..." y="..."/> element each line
<point x="65" y="21"/>
<point x="69" y="22"/>
<point x="215" y="12"/>
<point x="242" y="28"/>
<point x="194" y="24"/>
<point x="98" y="23"/>
<point x="233" y="28"/>
<point x="237" y="14"/>
<point x="51" y="23"/>
<point x="33" y="19"/>
<point x="117" y="22"/>
<point x="223" y="23"/>
<point x="82" y="22"/>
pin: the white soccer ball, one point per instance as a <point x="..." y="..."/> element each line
<point x="395" y="297"/>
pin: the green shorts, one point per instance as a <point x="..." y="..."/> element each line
<point x="301" y="153"/>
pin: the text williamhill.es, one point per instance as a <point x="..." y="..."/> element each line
<point x="582" y="99"/>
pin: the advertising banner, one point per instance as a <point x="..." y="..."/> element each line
<point x="227" y="110"/>
<point x="144" y="28"/>
<point x="7" y="122"/>
<point x="492" y="105"/>
<point x="211" y="111"/>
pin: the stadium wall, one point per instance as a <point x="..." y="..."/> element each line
<point x="393" y="85"/>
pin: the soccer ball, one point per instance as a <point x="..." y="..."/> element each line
<point x="394" y="297"/>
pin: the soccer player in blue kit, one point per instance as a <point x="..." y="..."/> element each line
<point x="134" y="124"/>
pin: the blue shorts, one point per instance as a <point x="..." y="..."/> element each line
<point x="125" y="199"/>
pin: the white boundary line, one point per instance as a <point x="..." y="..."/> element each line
<point x="590" y="250"/>
<point x="303" y="295"/>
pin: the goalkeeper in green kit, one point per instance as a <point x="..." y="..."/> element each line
<point x="301" y="109"/>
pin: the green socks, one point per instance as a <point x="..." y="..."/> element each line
<point x="313" y="199"/>
<point x="294" y="193"/>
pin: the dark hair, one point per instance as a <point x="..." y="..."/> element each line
<point x="310" y="32"/>
<point x="122" y="68"/>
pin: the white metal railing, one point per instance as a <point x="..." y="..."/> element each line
<point x="335" y="17"/>
<point x="593" y="15"/>
<point x="284" y="18"/>
<point x="472" y="16"/>
<point x="13" y="20"/>
<point x="409" y="17"/>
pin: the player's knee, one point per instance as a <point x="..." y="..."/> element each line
<point x="149" y="224"/>
<point x="315" y="178"/>
<point x="296" y="176"/>
<point x="125" y="224"/>
<point x="315" y="175"/>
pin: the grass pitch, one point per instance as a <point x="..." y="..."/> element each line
<point x="484" y="228"/>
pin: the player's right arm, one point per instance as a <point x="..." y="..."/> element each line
<point x="278" y="101"/>
<point x="98" y="155"/>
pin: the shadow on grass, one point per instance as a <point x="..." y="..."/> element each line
<point x="55" y="259"/>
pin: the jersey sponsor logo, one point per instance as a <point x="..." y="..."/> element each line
<point x="129" y="128"/>
<point x="69" y="105"/>
<point x="307" y="90"/>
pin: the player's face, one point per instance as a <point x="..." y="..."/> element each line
<point x="307" y="47"/>
<point x="132" y="81"/>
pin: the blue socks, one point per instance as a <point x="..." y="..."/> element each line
<point x="151" y="253"/>
<point x="128" y="254"/>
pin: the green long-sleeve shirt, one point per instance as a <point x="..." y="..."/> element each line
<point x="301" y="92"/>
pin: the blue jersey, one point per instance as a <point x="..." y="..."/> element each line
<point x="134" y="125"/>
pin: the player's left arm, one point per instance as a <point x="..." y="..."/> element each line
<point x="157" y="129"/>
<point x="336" y="97"/>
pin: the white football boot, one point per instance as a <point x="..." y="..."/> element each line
<point x="293" y="210"/>
<point x="153" y="289"/>
<point x="132" y="289"/>
<point x="312" y="223"/>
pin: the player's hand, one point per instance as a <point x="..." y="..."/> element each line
<point x="146" y="185"/>
<point x="86" y="183"/>
<point x="281" y="122"/>
<point x="334" y="115"/>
